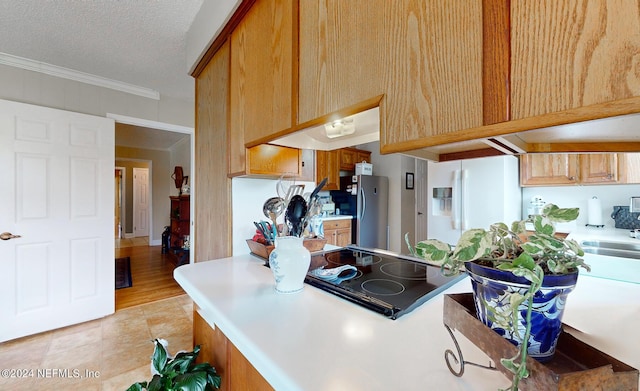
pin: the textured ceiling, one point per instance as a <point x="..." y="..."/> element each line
<point x="141" y="42"/>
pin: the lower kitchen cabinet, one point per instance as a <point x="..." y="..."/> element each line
<point x="337" y="232"/>
<point x="236" y="371"/>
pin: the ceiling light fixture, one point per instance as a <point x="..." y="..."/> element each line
<point x="339" y="128"/>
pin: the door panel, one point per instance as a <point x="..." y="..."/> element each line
<point x="56" y="193"/>
<point x="140" y="201"/>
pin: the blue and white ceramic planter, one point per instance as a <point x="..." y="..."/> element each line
<point x="491" y="290"/>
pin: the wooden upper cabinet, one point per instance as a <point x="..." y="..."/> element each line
<point x="348" y="158"/>
<point x="423" y="56"/>
<point x="363" y="156"/>
<point x="328" y="166"/>
<point x="569" y="169"/>
<point x="568" y="54"/>
<point x="262" y="71"/>
<point x="599" y="168"/>
<point x="548" y="169"/>
<point x="628" y="167"/>
<point x="273" y="160"/>
<point x="211" y="160"/>
<point x="334" y="57"/>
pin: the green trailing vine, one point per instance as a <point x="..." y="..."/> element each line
<point x="527" y="254"/>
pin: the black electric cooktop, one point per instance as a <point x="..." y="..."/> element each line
<point x="387" y="283"/>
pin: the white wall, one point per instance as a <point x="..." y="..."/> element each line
<point x="35" y="88"/>
<point x="248" y="196"/>
<point x="213" y="15"/>
<point x="578" y="196"/>
<point x="180" y="155"/>
<point x="401" y="201"/>
<point x="43" y="90"/>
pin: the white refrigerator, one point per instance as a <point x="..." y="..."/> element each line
<point x="471" y="193"/>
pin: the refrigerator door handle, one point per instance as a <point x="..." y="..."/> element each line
<point x="464" y="178"/>
<point x="455" y="210"/>
<point x="364" y="203"/>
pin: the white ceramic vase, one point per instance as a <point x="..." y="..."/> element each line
<point x="289" y="262"/>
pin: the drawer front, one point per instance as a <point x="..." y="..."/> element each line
<point x="333" y="224"/>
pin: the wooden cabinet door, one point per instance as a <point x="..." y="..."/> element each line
<point x="212" y="157"/>
<point x="273" y="160"/>
<point x="363" y="156"/>
<point x="343" y="237"/>
<point x="236" y="371"/>
<point x="337" y="232"/>
<point x="348" y="158"/>
<point x="548" y="169"/>
<point x="327" y="166"/>
<point x="261" y="71"/>
<point x="330" y="235"/>
<point x="568" y="54"/>
<point x="423" y="56"/>
<point x="629" y="167"/>
<point x="599" y="168"/>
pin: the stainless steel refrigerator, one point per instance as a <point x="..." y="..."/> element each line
<point x="370" y="221"/>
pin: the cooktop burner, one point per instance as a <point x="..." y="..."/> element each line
<point x="387" y="283"/>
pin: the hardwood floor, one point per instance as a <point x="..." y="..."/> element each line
<point x="152" y="276"/>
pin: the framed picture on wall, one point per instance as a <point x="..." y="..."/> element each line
<point x="409" y="181"/>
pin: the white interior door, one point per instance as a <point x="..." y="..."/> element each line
<point x="140" y="201"/>
<point x="56" y="192"/>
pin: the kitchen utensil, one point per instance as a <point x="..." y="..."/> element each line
<point x="293" y="191"/>
<point x="295" y="214"/>
<point x="272" y="208"/>
<point x="266" y="231"/>
<point x="313" y="207"/>
<point x="315" y="191"/>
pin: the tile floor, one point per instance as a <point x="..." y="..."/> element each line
<point x="131" y="242"/>
<point x="104" y="354"/>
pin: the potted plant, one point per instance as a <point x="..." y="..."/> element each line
<point x="178" y="373"/>
<point x="520" y="279"/>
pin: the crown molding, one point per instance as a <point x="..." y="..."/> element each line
<point x="124" y="119"/>
<point x="70" y="74"/>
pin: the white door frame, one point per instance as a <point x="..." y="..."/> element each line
<point x="421" y="187"/>
<point x="123" y="119"/>
<point x="123" y="204"/>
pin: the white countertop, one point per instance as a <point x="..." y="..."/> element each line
<point x="337" y="217"/>
<point x="610" y="267"/>
<point x="605" y="233"/>
<point x="313" y="340"/>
